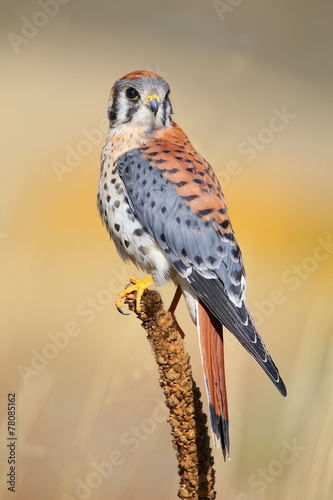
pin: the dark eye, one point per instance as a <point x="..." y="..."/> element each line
<point x="132" y="94"/>
<point x="167" y="95"/>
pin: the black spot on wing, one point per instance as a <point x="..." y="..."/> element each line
<point x="187" y="238"/>
<point x="205" y="211"/>
<point x="180" y="184"/>
<point x="190" y="198"/>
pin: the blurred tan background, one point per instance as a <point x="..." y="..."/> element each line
<point x="252" y="87"/>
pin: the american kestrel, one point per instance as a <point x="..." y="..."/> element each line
<point x="164" y="209"/>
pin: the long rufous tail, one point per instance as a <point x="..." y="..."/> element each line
<point x="211" y="345"/>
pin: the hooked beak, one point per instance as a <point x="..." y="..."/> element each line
<point x="153" y="102"/>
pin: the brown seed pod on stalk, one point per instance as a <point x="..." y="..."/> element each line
<point x="182" y="397"/>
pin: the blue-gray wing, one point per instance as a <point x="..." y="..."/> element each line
<point x="165" y="199"/>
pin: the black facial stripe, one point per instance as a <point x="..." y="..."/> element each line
<point x="113" y="111"/>
<point x="164" y="111"/>
<point x="130" y="112"/>
<point x="167" y="111"/>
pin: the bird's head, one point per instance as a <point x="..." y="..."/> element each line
<point x="142" y="99"/>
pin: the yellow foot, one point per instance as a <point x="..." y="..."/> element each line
<point x="137" y="286"/>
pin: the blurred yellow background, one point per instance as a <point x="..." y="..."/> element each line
<point x="252" y="87"/>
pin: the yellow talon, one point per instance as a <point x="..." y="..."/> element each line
<point x="137" y="286"/>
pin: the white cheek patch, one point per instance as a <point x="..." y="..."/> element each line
<point x="143" y="116"/>
<point x="122" y="108"/>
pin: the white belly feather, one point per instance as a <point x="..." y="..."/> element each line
<point x="131" y="239"/>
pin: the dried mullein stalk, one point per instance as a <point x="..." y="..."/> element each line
<point x="182" y="397"/>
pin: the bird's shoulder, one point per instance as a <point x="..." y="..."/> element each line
<point x="179" y="162"/>
<point x="178" y="198"/>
